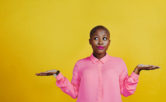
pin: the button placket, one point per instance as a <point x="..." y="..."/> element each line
<point x="100" y="82"/>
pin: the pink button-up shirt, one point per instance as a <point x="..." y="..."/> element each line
<point x="95" y="80"/>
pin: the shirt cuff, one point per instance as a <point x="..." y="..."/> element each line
<point x="135" y="76"/>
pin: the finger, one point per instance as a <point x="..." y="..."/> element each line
<point x="156" y="67"/>
<point x="48" y="73"/>
<point x="37" y="74"/>
<point x="142" y="65"/>
<point x="42" y="74"/>
<point x="152" y="68"/>
<point x="148" y="67"/>
<point x="54" y="70"/>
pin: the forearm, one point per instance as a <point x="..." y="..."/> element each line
<point x="66" y="86"/>
<point x="128" y="84"/>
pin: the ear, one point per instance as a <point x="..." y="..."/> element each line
<point x="109" y="42"/>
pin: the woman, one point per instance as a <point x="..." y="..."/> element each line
<point x="99" y="77"/>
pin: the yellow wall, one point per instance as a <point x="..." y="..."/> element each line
<point x="39" y="35"/>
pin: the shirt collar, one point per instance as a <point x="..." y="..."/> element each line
<point x="103" y="59"/>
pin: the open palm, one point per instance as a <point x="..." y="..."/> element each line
<point x="147" y="67"/>
<point x="47" y="73"/>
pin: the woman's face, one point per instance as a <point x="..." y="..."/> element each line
<point x="100" y="41"/>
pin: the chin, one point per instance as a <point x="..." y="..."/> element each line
<point x="100" y="51"/>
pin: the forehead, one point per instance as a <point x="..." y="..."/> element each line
<point x="101" y="32"/>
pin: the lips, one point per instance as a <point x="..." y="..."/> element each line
<point x="100" y="47"/>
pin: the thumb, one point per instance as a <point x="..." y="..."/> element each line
<point x="54" y="70"/>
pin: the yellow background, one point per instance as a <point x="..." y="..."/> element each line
<point x="40" y="35"/>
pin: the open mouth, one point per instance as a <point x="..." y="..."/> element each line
<point x="100" y="47"/>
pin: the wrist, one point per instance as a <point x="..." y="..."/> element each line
<point x="137" y="70"/>
<point x="57" y="72"/>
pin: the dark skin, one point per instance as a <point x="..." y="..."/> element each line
<point x="102" y="38"/>
<point x="99" y="38"/>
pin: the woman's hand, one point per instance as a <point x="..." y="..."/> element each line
<point x="47" y="73"/>
<point x="147" y="67"/>
<point x="140" y="67"/>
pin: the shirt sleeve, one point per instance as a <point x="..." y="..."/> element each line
<point x="128" y="83"/>
<point x="70" y="88"/>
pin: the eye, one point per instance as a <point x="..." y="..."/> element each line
<point x="95" y="38"/>
<point x="105" y="38"/>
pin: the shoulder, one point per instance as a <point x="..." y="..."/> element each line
<point x="82" y="60"/>
<point x="80" y="63"/>
<point x="116" y="59"/>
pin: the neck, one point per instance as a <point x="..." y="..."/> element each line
<point x="99" y="56"/>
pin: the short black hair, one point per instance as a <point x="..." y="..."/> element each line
<point x="93" y="30"/>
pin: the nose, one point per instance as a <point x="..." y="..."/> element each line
<point x="100" y="42"/>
